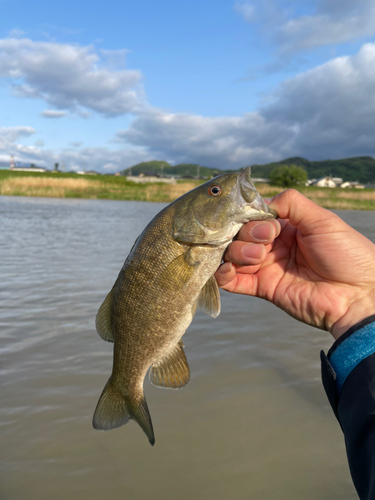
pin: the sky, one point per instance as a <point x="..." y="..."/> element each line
<point x="105" y="85"/>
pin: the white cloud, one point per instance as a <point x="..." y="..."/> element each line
<point x="69" y="77"/>
<point x="53" y="113"/>
<point x="9" y="147"/>
<point x="327" y="112"/>
<point x="16" y="33"/>
<point x="114" y="59"/>
<point x="332" y="22"/>
<point x="101" y="159"/>
<point x="217" y="142"/>
<point x="333" y="106"/>
<point x="9" y="135"/>
<point x="246" y="10"/>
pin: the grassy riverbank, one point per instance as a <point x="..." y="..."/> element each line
<point x="334" y="198"/>
<point x="118" y="188"/>
<point x="88" y="186"/>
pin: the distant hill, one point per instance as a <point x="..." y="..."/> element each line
<point x="360" y="168"/>
<point x="164" y="168"/>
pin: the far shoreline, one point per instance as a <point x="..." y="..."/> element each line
<point x="70" y="185"/>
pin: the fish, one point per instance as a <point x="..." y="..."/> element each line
<point x="168" y="274"/>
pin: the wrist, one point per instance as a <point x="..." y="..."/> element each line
<point x="359" y="310"/>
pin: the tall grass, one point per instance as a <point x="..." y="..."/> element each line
<point x="31" y="186"/>
<point x="118" y="188"/>
<point x="78" y="187"/>
<point x="339" y="198"/>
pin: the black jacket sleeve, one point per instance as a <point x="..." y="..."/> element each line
<point x="354" y="408"/>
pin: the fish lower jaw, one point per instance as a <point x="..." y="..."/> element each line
<point x="257" y="210"/>
<point x="254" y="210"/>
<point x="260" y="215"/>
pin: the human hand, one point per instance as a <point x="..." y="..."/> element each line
<point x="311" y="264"/>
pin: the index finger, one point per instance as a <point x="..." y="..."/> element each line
<point x="303" y="213"/>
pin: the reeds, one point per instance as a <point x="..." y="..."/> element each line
<point x="334" y="198"/>
<point x="167" y="192"/>
<point x="92" y="188"/>
<point x="118" y="188"/>
<point x="39" y="186"/>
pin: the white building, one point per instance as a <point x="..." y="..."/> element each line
<point x="325" y="182"/>
<point x="150" y="178"/>
<point x="355" y="185"/>
<point x="28" y="169"/>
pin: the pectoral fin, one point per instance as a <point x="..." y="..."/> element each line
<point x="103" y="319"/>
<point x="178" y="273"/>
<point x="209" y="298"/>
<point x="172" y="372"/>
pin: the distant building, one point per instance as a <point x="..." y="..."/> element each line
<point x="28" y="169"/>
<point x="355" y="185"/>
<point x="333" y="182"/>
<point x="324" y="182"/>
<point x="144" y="179"/>
<point x="88" y="172"/>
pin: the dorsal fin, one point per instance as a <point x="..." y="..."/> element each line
<point x="172" y="371"/>
<point x="209" y="298"/>
<point x="103" y="319"/>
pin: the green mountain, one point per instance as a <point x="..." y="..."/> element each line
<point x="360" y="168"/>
<point x="164" y="168"/>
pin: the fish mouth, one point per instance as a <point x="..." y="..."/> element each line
<point x="252" y="198"/>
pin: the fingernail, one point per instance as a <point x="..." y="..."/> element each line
<point x="252" y="250"/>
<point x="262" y="232"/>
<point x="225" y="268"/>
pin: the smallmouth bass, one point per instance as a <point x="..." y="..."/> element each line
<point x="168" y="274"/>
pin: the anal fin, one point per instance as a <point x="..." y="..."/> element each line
<point x="173" y="371"/>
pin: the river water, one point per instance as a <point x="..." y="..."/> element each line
<point x="253" y="423"/>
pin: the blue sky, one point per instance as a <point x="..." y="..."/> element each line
<point x="226" y="84"/>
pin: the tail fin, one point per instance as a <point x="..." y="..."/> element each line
<point x="114" y="410"/>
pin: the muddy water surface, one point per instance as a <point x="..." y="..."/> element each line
<point x="253" y="423"/>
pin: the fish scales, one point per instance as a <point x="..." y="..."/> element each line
<point x="168" y="273"/>
<point x="145" y="304"/>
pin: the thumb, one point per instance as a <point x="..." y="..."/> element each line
<point x="303" y="213"/>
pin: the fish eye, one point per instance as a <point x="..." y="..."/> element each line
<point x="215" y="190"/>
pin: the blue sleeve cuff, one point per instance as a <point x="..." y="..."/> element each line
<point x="349" y="350"/>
